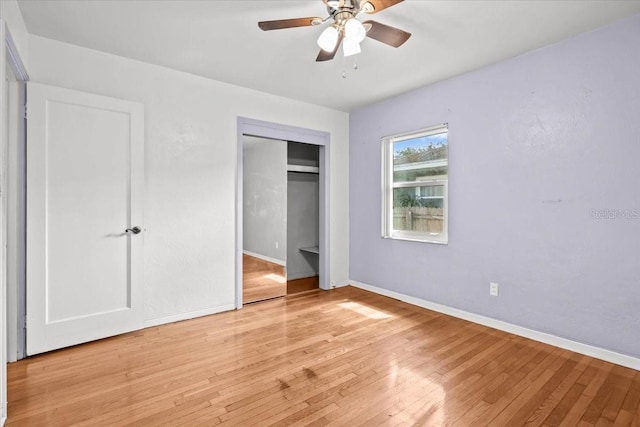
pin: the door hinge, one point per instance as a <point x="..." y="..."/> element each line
<point x="25" y="111"/>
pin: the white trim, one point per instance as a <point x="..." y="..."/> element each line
<point x="17" y="346"/>
<point x="567" y="344"/>
<point x="189" y="315"/>
<point x="265" y="258"/>
<point x="406" y="237"/>
<point x="431" y="130"/>
<point x="336" y="285"/>
<point x="14" y="58"/>
<point x="421" y="165"/>
<point x="3" y="229"/>
<point x="422" y="181"/>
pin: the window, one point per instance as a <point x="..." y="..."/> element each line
<point x="415" y="185"/>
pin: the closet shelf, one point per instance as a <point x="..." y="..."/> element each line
<point x="304" y="169"/>
<point x="311" y="249"/>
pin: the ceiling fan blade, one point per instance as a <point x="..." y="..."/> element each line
<point x="289" y="23"/>
<point x="379" y="5"/>
<point x="386" y="34"/>
<point x="328" y="56"/>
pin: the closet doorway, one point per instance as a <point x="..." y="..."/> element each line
<point x="282" y="210"/>
<point x="303" y="197"/>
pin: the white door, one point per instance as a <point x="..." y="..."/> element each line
<point x="85" y="177"/>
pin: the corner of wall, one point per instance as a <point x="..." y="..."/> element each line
<point x="11" y="14"/>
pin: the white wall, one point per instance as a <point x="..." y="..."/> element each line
<point x="190" y="136"/>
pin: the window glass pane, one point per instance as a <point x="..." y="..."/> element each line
<point x="419" y="209"/>
<point x="431" y="191"/>
<point x="414" y="159"/>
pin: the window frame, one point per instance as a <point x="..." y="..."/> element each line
<point x="388" y="186"/>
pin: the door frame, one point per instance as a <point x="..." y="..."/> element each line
<point x="9" y="57"/>
<point x="16" y="204"/>
<point x="263" y="129"/>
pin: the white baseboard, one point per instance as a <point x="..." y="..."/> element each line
<point x="265" y="258"/>
<point x="186" y="316"/>
<point x="567" y="344"/>
<point x="341" y="284"/>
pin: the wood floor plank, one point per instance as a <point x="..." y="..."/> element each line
<point x="553" y="400"/>
<point x="623" y="387"/>
<point x="340" y="357"/>
<point x="509" y="386"/>
<point x="630" y="404"/>
<point x="512" y="405"/>
<point x="302" y="285"/>
<point x="536" y="408"/>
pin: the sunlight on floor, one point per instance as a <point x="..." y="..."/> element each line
<point x="365" y="311"/>
<point x="275" y="277"/>
<point x="427" y="396"/>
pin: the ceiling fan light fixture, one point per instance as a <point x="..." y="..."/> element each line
<point x="353" y="29"/>
<point x="328" y="39"/>
<point x="367" y="7"/>
<point x="350" y="46"/>
<point x="334" y="4"/>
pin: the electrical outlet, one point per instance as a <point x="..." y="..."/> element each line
<point x="277" y="244"/>
<point x="493" y="289"/>
<point x="333" y="284"/>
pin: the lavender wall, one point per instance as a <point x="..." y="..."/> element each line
<point x="541" y="146"/>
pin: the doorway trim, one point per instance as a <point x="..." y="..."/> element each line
<point x="259" y="128"/>
<point x="9" y="57"/>
<point x="16" y="184"/>
<point x="13" y="57"/>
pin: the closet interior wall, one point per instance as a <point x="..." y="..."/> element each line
<point x="303" y="207"/>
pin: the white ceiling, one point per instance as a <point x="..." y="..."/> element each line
<point x="221" y="40"/>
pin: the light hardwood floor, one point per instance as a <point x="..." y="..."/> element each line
<point x="262" y="279"/>
<point x="342" y="357"/>
<point x="302" y="285"/>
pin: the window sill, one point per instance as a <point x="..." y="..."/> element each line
<point x="419" y="239"/>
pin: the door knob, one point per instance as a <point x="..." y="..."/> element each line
<point x="134" y="230"/>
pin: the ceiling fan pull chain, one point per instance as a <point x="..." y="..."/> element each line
<point x="344" y="68"/>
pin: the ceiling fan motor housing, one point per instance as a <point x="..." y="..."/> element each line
<point x="343" y="16"/>
<point x="345" y="10"/>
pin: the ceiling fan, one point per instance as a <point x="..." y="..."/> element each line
<point x="346" y="29"/>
